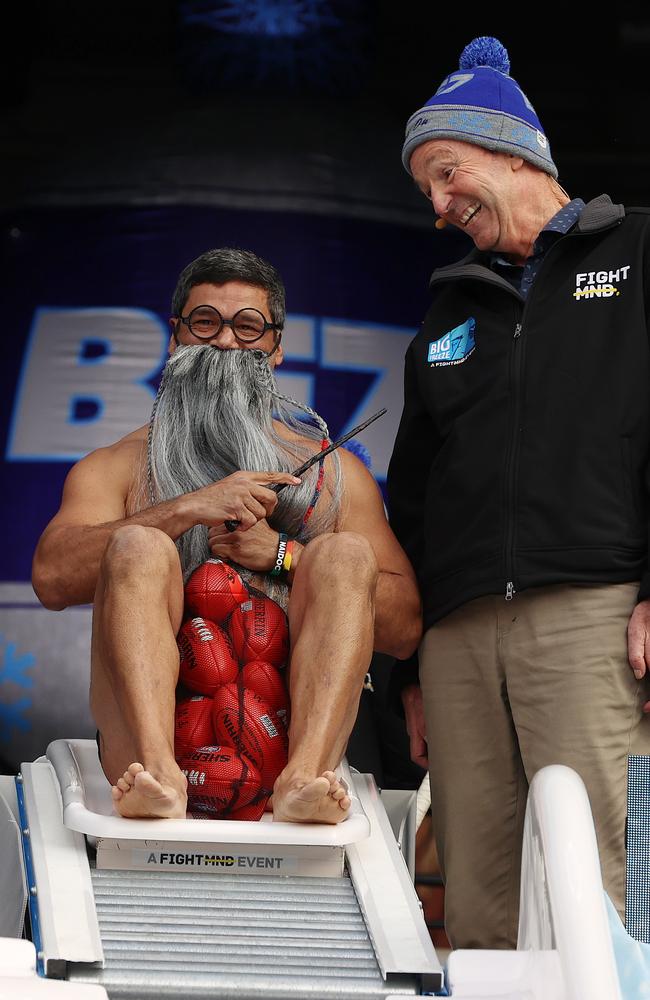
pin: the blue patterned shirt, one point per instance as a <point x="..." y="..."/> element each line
<point x="522" y="277"/>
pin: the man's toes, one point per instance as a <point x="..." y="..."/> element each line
<point x="314" y="790"/>
<point x="147" y="784"/>
<point x="126" y="781"/>
<point x="335" y="784"/>
<point x="338" y="794"/>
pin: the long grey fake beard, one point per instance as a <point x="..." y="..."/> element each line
<point x="213" y="416"/>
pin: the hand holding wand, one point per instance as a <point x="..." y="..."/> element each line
<point x="233" y="525"/>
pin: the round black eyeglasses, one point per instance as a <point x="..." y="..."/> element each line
<point x="248" y="325"/>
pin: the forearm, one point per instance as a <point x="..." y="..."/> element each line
<point x="67" y="558"/>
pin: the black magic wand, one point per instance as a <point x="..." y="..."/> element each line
<point x="276" y="487"/>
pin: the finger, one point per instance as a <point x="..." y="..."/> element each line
<point x="646" y="708"/>
<point x="419" y="750"/>
<point x="267" y="498"/>
<point x="275" y="477"/>
<point x="257" y="509"/>
<point x="219" y="547"/>
<point x="636" y="641"/>
<point x="638" y="665"/>
<point x="245" y="520"/>
<point x="217" y="531"/>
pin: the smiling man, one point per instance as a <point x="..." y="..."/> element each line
<point x="501" y="200"/>
<point x="138" y="517"/>
<point x="518" y="489"/>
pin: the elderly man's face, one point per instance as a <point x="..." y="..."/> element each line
<point x="471" y="188"/>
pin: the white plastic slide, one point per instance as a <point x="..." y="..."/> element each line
<point x="195" y="907"/>
<point x="564" y="948"/>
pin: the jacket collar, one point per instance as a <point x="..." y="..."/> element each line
<point x="599" y="213"/>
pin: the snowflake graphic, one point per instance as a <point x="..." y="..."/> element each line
<point x="262" y="17"/>
<point x="13" y="672"/>
<point x="249" y="45"/>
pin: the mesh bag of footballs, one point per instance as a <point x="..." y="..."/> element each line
<point x="232" y="711"/>
<point x="219" y="780"/>
<point x="213" y="591"/>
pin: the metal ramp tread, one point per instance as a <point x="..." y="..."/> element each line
<point x="169" y="936"/>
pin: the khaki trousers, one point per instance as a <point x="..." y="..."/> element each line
<point x="509" y="687"/>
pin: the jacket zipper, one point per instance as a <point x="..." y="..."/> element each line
<point x="512" y="465"/>
<point x="515" y="365"/>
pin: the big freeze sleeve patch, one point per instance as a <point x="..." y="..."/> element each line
<point x="453" y="347"/>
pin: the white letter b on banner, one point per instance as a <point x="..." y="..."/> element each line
<point x="83" y="383"/>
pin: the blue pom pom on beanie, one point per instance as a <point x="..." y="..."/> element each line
<point x="485" y="51"/>
<point x="480" y="103"/>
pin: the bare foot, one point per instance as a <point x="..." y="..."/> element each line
<point x="137" y="794"/>
<point x="322" y="800"/>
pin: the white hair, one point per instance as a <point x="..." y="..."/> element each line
<point x="217" y="412"/>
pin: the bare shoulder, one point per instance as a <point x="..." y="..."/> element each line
<point x="350" y="465"/>
<point x="122" y="459"/>
<point x="356" y="476"/>
<point x="101" y="485"/>
<point x="294" y="437"/>
<point x="361" y="494"/>
<point x="362" y="505"/>
<point x="129" y="452"/>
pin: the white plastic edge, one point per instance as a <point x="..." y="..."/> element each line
<point x="19" y="980"/>
<point x="17" y="957"/>
<point x="64" y="893"/>
<point x="383" y="886"/>
<point x="13" y="879"/>
<point x="562" y="904"/>
<point x="87" y="809"/>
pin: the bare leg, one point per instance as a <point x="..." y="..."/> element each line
<point x="134" y="669"/>
<point x="331" y="622"/>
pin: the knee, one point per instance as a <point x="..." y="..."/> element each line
<point x="137" y="550"/>
<point x="344" y="554"/>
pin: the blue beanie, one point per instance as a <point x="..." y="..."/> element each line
<point x="482" y="104"/>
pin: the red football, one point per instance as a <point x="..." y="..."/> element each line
<point x="244" y="720"/>
<point x="207" y="657"/>
<point x="266" y="681"/>
<point x="218" y="780"/>
<point x="193" y="724"/>
<point x="213" y="591"/>
<point x="252" y="812"/>
<point x="259" y="631"/>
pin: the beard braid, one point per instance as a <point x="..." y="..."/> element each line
<point x="214" y="415"/>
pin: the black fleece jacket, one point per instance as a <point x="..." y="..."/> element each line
<point x="522" y="454"/>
